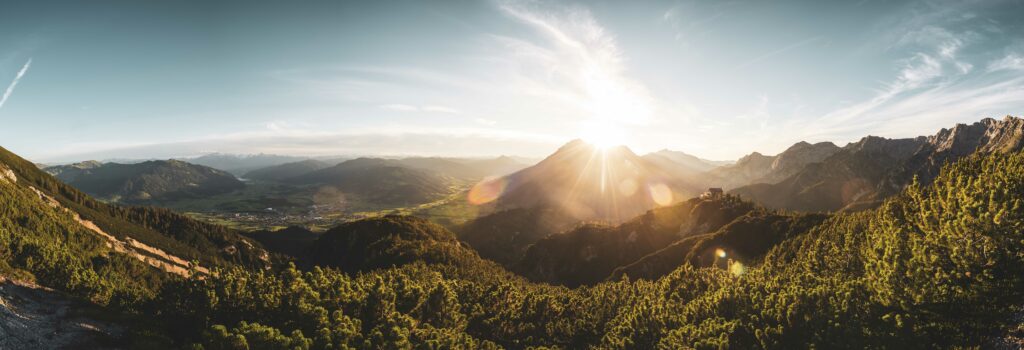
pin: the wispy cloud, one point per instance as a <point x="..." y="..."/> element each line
<point x="398" y="107"/>
<point x="578" y="64"/>
<point x="14" y="83"/>
<point x="934" y="85"/>
<point x="307" y="141"/>
<point x="1008" y="62"/>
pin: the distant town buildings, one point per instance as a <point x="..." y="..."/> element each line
<point x="712" y="193"/>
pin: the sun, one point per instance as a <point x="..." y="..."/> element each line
<point x="602" y="135"/>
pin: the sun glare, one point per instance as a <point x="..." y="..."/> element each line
<point x="602" y="135"/>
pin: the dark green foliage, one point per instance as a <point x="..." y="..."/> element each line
<point x="211" y="245"/>
<point x="504" y="236"/>
<point x="590" y="253"/>
<point x="292" y="241"/>
<point x="46" y="244"/>
<point x="938" y="266"/>
<point x="385" y="242"/>
<point x="745" y="239"/>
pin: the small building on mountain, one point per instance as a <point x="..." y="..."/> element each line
<point x="713" y="193"/>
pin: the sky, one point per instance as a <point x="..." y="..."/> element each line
<point x="717" y="79"/>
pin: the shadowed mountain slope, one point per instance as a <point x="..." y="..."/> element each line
<point x="589" y="253"/>
<point x="864" y="173"/>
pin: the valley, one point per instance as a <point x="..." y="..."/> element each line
<point x="511" y="174"/>
<point x="472" y="264"/>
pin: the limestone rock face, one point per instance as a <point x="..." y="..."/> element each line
<point x="863" y="173"/>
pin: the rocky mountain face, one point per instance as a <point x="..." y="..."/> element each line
<point x="863" y="173"/>
<point x="986" y="136"/>
<point x="757" y="168"/>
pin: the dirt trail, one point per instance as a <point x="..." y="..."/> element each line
<point x="35" y="317"/>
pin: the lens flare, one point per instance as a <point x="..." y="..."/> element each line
<point x="487" y="190"/>
<point x="660" y="193"/>
<point x="627" y="187"/>
<point x="720" y="253"/>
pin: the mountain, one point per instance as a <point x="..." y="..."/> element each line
<point x="499" y="166"/>
<point x="744" y="240"/>
<point x="463" y="168"/>
<point x="380" y="181"/>
<point x="146" y="182"/>
<point x="241" y="164"/>
<point x="449" y="167"/>
<point x="286" y="171"/>
<point x="682" y="162"/>
<point x="292" y="241"/>
<point x="154" y="236"/>
<point x="948" y="145"/>
<point x="588" y="183"/>
<point x="71" y="171"/>
<point x="504" y="236"/>
<point x="388" y="241"/>
<point x="865" y="172"/>
<point x="591" y="252"/>
<point x="757" y="168"/>
<point x="936" y="266"/>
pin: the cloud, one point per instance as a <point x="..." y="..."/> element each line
<point x="17" y="78"/>
<point x="440" y="109"/>
<point x="933" y="75"/>
<point x="400" y="108"/>
<point x="1008" y="62"/>
<point x="578" y="64"/>
<point x="397" y="107"/>
<point x="307" y="141"/>
<point x="485" y="121"/>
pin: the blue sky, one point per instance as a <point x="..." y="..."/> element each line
<point x="719" y="79"/>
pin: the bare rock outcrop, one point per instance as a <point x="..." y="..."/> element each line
<point x="35" y="317"/>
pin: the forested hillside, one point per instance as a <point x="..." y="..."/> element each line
<point x="211" y="245"/>
<point x="936" y="266"/>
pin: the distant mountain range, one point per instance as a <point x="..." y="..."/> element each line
<point x="241" y="164"/>
<point x="682" y="162"/>
<point x="583" y="182"/>
<point x="863" y="173"/>
<point x="758" y="168"/>
<point x="146" y="182"/>
<point x="283" y="172"/>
